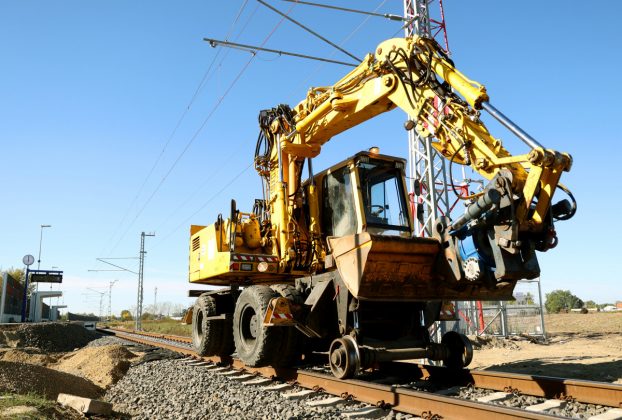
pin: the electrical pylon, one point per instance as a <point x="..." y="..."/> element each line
<point x="426" y="166"/>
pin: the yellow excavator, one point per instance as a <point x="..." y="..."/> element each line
<point x="330" y="265"/>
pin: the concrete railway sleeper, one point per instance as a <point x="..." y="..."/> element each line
<point x="544" y="396"/>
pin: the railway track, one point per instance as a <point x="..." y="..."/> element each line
<point x="427" y="391"/>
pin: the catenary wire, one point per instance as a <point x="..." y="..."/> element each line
<point x="352" y="33"/>
<point x="332" y="54"/>
<point x="205" y="121"/>
<point x="206" y="181"/>
<point x="209" y="200"/>
<point x="311" y="31"/>
<point x="182" y="117"/>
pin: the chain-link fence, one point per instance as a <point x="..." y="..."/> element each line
<point x="523" y="316"/>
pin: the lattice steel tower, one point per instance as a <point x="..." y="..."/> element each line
<point x="426" y="166"/>
<point x="141" y="265"/>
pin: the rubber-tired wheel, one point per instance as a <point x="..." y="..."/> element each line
<point x="210" y="337"/>
<point x="255" y="344"/>
<point x="292" y="342"/>
<point x="460" y="350"/>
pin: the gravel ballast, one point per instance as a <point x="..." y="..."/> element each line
<point x="171" y="389"/>
<point x="108" y="340"/>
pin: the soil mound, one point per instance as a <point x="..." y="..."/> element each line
<point x="48" y="336"/>
<point x="492" y="342"/>
<point x="22" y="378"/>
<point x="103" y="365"/>
<point x="23" y="356"/>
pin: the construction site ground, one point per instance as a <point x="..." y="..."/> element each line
<point x="580" y="346"/>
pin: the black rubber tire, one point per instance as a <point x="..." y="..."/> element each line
<point x="255" y="344"/>
<point x="292" y="342"/>
<point x="209" y="337"/>
<point x="228" y="346"/>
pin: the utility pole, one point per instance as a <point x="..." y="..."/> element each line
<point x="39" y="263"/>
<point x="155" y="300"/>
<point x="141" y="265"/>
<point x="101" y="302"/>
<point x="41" y="243"/>
<point x="110" y="298"/>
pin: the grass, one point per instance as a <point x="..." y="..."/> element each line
<point x="162" y="326"/>
<point x="31" y="400"/>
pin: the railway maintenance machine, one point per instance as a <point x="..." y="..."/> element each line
<point x="329" y="265"/>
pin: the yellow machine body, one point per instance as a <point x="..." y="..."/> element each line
<point x="213" y="262"/>
<point x="291" y="239"/>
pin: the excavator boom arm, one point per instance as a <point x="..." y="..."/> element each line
<point x="415" y="75"/>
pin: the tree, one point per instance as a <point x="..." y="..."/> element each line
<point x="126" y="315"/>
<point x="591" y="304"/>
<point x="147" y="316"/>
<point x="17" y="273"/>
<point x="561" y="300"/>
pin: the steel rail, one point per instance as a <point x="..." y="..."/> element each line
<point x="584" y="391"/>
<point x="424" y="404"/>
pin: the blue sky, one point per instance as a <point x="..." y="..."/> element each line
<point x="90" y="93"/>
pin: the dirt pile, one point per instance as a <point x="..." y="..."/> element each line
<point x="27" y="356"/>
<point x="103" y="365"/>
<point x="22" y="378"/>
<point x="49" y="336"/>
<point x="492" y="342"/>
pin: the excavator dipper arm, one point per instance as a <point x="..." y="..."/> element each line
<point x="415" y="74"/>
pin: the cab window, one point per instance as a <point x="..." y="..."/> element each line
<point x="383" y="197"/>
<point x="338" y="212"/>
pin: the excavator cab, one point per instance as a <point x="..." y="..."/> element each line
<point x="365" y="193"/>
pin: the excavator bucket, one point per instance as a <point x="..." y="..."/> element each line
<point x="386" y="267"/>
<point x="381" y="267"/>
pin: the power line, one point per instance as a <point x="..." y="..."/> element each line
<point x="199" y="88"/>
<point x="345" y="9"/>
<point x="253" y="49"/>
<point x="208" y="180"/>
<point x="346" y="39"/>
<point x="159" y="158"/>
<point x="182" y="224"/>
<point x="311" y="31"/>
<point x="198" y="131"/>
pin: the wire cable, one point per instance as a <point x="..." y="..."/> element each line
<point x="197" y="91"/>
<point x="185" y="221"/>
<point x="311" y="31"/>
<point x="345" y="9"/>
<point x="208" y="179"/>
<point x="216" y="106"/>
<point x="343" y="42"/>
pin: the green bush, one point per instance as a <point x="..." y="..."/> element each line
<point x="561" y="301"/>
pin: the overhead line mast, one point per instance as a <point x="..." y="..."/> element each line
<point x="426" y="166"/>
